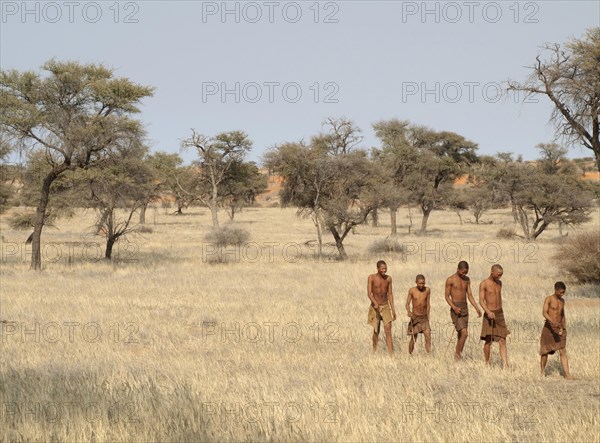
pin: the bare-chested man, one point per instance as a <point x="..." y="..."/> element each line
<point x="493" y="327"/>
<point x="419" y="316"/>
<point x="458" y="288"/>
<point x="379" y="291"/>
<point x="554" y="332"/>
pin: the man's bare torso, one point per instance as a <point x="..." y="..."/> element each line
<point x="492" y="294"/>
<point x="556" y="309"/>
<point x="419" y="300"/>
<point x="379" y="287"/>
<point x="458" y="291"/>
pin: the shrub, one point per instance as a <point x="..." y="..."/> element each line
<point x="228" y="235"/>
<point x="145" y="229"/>
<point x="506" y="233"/>
<point x="580" y="256"/>
<point x="386" y="245"/>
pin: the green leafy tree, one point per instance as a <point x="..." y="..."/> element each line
<point x="216" y="156"/>
<point x="549" y="191"/>
<point x="242" y="184"/>
<point x="329" y="180"/>
<point x="116" y="191"/>
<point x="76" y="115"/>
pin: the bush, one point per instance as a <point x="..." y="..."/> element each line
<point x="386" y="245"/>
<point x="228" y="235"/>
<point x="506" y="233"/>
<point x="22" y="221"/>
<point x="580" y="256"/>
<point x="145" y="229"/>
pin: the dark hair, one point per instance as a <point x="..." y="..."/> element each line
<point x="381" y="262"/>
<point x="463" y="265"/>
<point x="560" y="285"/>
<point x="419" y="277"/>
<point x="497" y="267"/>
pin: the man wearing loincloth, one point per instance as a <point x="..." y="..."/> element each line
<point x="379" y="291"/>
<point x="554" y="332"/>
<point x="493" y="327"/>
<point x="458" y="288"/>
<point x="419" y="316"/>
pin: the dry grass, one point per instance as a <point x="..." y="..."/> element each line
<point x="274" y="345"/>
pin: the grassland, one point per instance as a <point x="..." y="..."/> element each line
<point x="273" y="345"/>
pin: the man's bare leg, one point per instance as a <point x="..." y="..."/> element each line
<point x="565" y="364"/>
<point x="427" y="341"/>
<point x="460" y="344"/>
<point x="487" y="349"/>
<point x="388" y="337"/>
<point x="375" y="340"/>
<point x="503" y="353"/>
<point x="543" y="362"/>
<point x="411" y="344"/>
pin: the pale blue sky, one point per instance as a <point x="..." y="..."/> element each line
<point x="370" y="61"/>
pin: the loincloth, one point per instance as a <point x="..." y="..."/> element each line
<point x="385" y="314"/>
<point x="550" y="341"/>
<point x="418" y="324"/>
<point x="460" y="321"/>
<point x="495" y="329"/>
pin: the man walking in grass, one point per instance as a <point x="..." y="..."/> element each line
<point x="493" y="327"/>
<point x="419" y="296"/>
<point x="458" y="288"/>
<point x="379" y="291"/>
<point x="554" y="332"/>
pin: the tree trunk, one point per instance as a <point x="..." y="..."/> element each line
<point x="110" y="242"/>
<point x="143" y="213"/>
<point x="560" y="228"/>
<point x="213" y="206"/>
<point x="36" y="253"/>
<point x="339" y="243"/>
<point x="375" y="222"/>
<point x="426" y="213"/>
<point x="393" y="219"/>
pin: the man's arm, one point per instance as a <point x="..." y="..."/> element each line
<point x="370" y="292"/>
<point x="428" y="305"/>
<point x="408" y="299"/>
<point x="448" y="291"/>
<point x="564" y="318"/>
<point x="545" y="310"/>
<point x="472" y="299"/>
<point x="391" y="298"/>
<point x="489" y="313"/>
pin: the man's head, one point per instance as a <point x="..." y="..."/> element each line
<point x="463" y="268"/>
<point x="497" y="271"/>
<point x="559" y="289"/>
<point x="381" y="268"/>
<point x="420" y="281"/>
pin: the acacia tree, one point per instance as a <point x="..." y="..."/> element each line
<point x="329" y="180"/>
<point x="117" y="190"/>
<point x="570" y="78"/>
<point x="395" y="157"/>
<point x="6" y="189"/>
<point x="216" y="155"/>
<point x="242" y="184"/>
<point x="77" y="115"/>
<point x="546" y="192"/>
<point x="175" y="179"/>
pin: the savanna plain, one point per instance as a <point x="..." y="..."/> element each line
<point x="272" y="343"/>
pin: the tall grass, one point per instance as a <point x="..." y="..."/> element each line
<point x="274" y="345"/>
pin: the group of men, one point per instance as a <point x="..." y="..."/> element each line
<point x="457" y="292"/>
